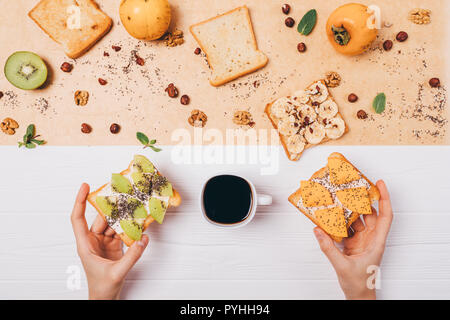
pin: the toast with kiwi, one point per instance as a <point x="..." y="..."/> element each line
<point x="230" y="45"/>
<point x="335" y="196"/>
<point x="134" y="198"/>
<point x="75" y="24"/>
<point x="306" y="118"/>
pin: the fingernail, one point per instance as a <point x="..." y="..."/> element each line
<point x="143" y="242"/>
<point x="318" y="234"/>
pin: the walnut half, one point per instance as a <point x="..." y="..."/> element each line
<point x="332" y="79"/>
<point x="197" y="118"/>
<point x="242" y="118"/>
<point x="9" y="126"/>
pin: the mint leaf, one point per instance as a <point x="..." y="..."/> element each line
<point x="142" y="138"/>
<point x="30" y="145"/>
<point x="306" y="25"/>
<point x="155" y="149"/>
<point x="153" y="141"/>
<point x="30" y="130"/>
<point x="38" y="142"/>
<point x="379" y="103"/>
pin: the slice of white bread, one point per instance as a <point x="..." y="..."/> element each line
<point x="55" y="17"/>
<point x="230" y="45"/>
<point x="374" y="193"/>
<point x="174" y="201"/>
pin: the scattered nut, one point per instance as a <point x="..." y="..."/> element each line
<point x="172" y="91"/>
<point x="435" y="82"/>
<point x="1" y="94"/>
<point x="9" y="126"/>
<point x="85" y="128"/>
<point x="242" y="118"/>
<point x="105" y="54"/>
<point x="114" y="128"/>
<point x="387" y="45"/>
<point x="301" y="47"/>
<point x="140" y="61"/>
<point x="198" y="51"/>
<point x="402" y="36"/>
<point x="116" y="48"/>
<point x="102" y="81"/>
<point x="197" y="118"/>
<point x="332" y="79"/>
<point x="66" y="67"/>
<point x="352" y="97"/>
<point x="173" y="39"/>
<point x="420" y="16"/>
<point x="289" y="22"/>
<point x="185" y="99"/>
<point x="361" y="114"/>
<point x="81" y="97"/>
<point x="286" y="8"/>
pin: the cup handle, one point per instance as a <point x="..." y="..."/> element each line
<point x="264" y="200"/>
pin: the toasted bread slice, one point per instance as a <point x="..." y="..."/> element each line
<point x="372" y="191"/>
<point x="59" y="19"/>
<point x="230" y="45"/>
<point x="284" y="138"/>
<point x="174" y="201"/>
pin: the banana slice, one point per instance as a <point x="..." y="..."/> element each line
<point x="327" y="110"/>
<point x="335" y="128"/>
<point x="301" y="97"/>
<point x="315" y="133"/>
<point x="318" y="92"/>
<point x="295" y="144"/>
<point x="306" y="111"/>
<point x="282" y="107"/>
<point x="288" y="126"/>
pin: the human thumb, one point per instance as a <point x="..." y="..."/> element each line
<point x="132" y="255"/>
<point x="327" y="246"/>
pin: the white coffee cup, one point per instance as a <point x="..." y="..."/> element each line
<point x="257" y="200"/>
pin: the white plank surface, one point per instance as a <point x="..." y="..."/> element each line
<point x="274" y="257"/>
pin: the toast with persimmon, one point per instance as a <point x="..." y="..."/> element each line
<point x="335" y="196"/>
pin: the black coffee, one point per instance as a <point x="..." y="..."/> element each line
<point x="227" y="199"/>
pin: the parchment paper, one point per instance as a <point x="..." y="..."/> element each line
<point x="134" y="96"/>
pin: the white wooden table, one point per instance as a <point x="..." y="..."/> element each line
<point x="274" y="257"/>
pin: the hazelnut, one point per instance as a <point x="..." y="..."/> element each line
<point x="286" y="8"/>
<point x="114" y="128"/>
<point x="435" y="82"/>
<point x="172" y="91"/>
<point x="402" y="36"/>
<point x="85" y="128"/>
<point x="361" y="114"/>
<point x="198" y="51"/>
<point x="140" y="61"/>
<point x="102" y="81"/>
<point x="301" y="47"/>
<point x="289" y="22"/>
<point x="116" y="48"/>
<point x="185" y="99"/>
<point x="66" y="67"/>
<point x="352" y="97"/>
<point x="387" y="45"/>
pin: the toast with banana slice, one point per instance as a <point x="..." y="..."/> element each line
<point x="306" y="118"/>
<point x="335" y="196"/>
<point x="134" y="198"/>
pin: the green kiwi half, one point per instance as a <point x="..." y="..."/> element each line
<point x="25" y="70"/>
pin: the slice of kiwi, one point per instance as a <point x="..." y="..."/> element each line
<point x="121" y="184"/>
<point x="157" y="209"/>
<point x="25" y="70"/>
<point x="142" y="164"/>
<point x="161" y="186"/>
<point x="131" y="229"/>
<point x="137" y="208"/>
<point x="106" y="204"/>
<point x="142" y="181"/>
